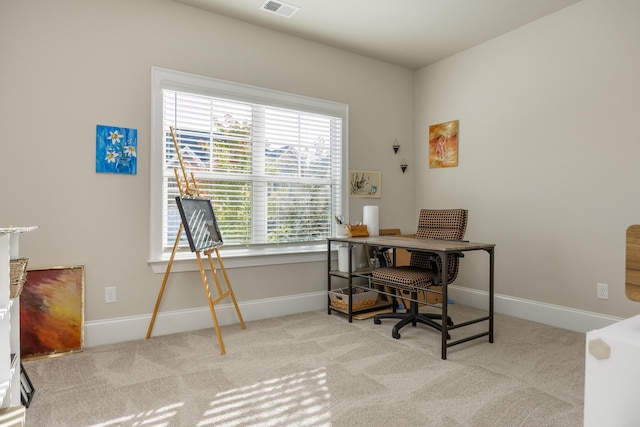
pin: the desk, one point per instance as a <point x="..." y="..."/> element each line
<point x="441" y="248"/>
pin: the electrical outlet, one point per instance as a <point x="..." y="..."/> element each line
<point x="109" y="294"/>
<point x="602" y="291"/>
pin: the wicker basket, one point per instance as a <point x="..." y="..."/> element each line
<point x="359" y="300"/>
<point x="18" y="274"/>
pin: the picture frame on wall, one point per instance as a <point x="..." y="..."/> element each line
<point x="116" y="150"/>
<point x="443" y="144"/>
<point x="366" y="184"/>
<point x="199" y="222"/>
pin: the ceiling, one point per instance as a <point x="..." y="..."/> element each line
<point x="408" y="33"/>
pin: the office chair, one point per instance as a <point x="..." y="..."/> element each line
<point x="424" y="268"/>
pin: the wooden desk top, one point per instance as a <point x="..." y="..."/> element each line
<point x="431" y="245"/>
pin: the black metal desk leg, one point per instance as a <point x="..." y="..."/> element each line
<point x="328" y="275"/>
<point x="491" y="295"/>
<point x="445" y="298"/>
<point x="350" y="297"/>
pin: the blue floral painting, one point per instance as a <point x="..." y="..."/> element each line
<point x="116" y="150"/>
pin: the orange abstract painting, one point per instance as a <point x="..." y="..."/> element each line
<point x="51" y="312"/>
<point x="443" y="145"/>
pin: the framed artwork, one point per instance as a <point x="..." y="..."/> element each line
<point x="116" y="150"/>
<point x="199" y="223"/>
<point x="365" y="184"/>
<point x="52" y="312"/>
<point x="443" y="145"/>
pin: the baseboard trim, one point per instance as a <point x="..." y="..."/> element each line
<point x="130" y="328"/>
<point x="549" y="314"/>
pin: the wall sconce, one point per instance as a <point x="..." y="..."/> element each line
<point x="403" y="165"/>
<point x="395" y="146"/>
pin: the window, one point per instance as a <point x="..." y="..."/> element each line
<point x="272" y="163"/>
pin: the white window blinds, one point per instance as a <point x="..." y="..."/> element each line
<point x="273" y="173"/>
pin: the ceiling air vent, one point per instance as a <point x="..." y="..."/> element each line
<point x="280" y="8"/>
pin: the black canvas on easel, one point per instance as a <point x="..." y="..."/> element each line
<point x="199" y="223"/>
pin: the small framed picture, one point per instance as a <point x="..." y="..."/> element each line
<point x="116" y="150"/>
<point x="443" y="145"/>
<point x="365" y="184"/>
<point x="199" y="223"/>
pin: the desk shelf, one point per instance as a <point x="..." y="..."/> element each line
<point x="377" y="306"/>
<point x="361" y="273"/>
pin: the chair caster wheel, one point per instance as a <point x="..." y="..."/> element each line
<point x="395" y="335"/>
<point x="377" y="321"/>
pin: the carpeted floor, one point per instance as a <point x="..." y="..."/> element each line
<point x="312" y="369"/>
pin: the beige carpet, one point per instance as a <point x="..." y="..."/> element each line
<point x="313" y="369"/>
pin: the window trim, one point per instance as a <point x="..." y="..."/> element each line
<point x="237" y="257"/>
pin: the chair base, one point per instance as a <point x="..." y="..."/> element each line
<point x="414" y="317"/>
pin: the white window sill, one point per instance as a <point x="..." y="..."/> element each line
<point x="246" y="257"/>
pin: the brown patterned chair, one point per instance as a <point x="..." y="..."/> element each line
<point x="424" y="268"/>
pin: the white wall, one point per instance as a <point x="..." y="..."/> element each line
<point x="549" y="152"/>
<point x="68" y="65"/>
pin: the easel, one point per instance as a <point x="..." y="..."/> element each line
<point x="189" y="187"/>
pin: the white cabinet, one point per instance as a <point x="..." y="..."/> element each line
<point x="612" y="375"/>
<point x="9" y="320"/>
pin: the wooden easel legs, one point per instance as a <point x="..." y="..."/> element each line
<point x="164" y="281"/>
<point x="221" y="294"/>
<point x="212" y="301"/>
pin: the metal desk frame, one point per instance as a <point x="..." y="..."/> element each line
<point x="441" y="248"/>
